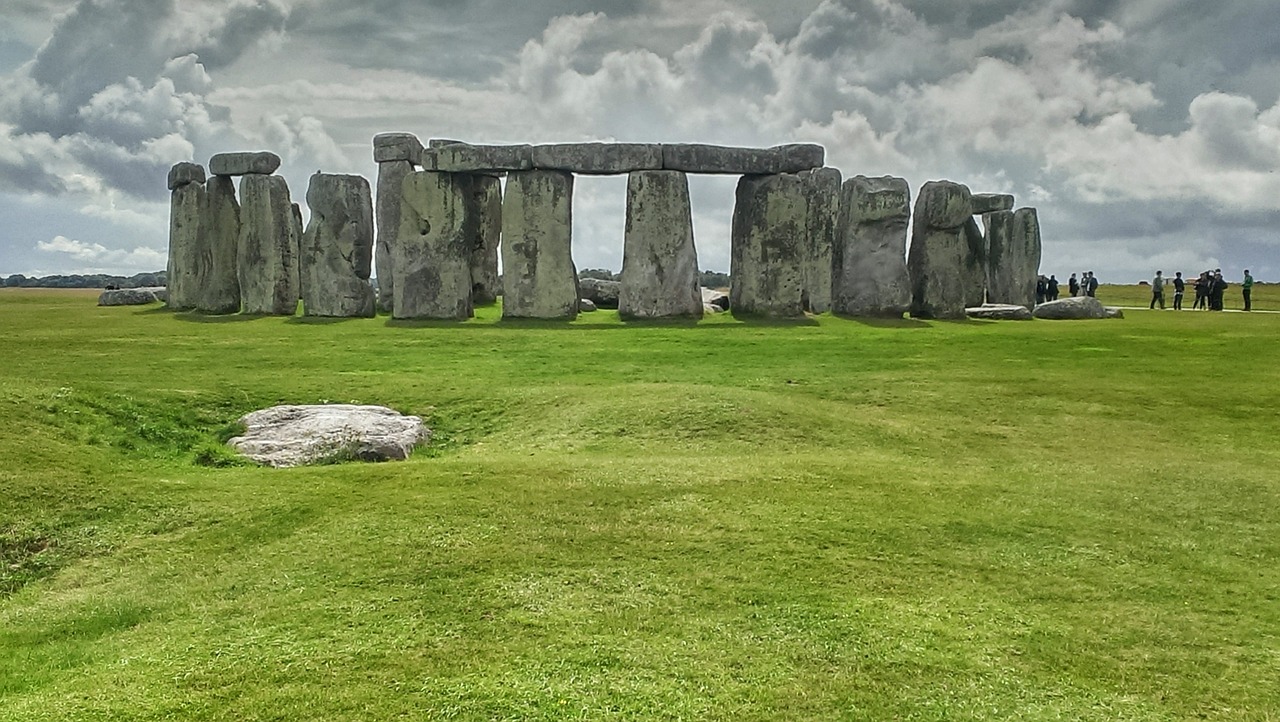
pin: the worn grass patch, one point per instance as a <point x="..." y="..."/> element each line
<point x="832" y="520"/>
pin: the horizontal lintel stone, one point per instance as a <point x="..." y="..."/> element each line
<point x="182" y="174"/>
<point x="601" y="158"/>
<point x="247" y="163"/>
<point x="598" y="158"/>
<point x="397" y="146"/>
<point x="467" y="158"/>
<point x="991" y="202"/>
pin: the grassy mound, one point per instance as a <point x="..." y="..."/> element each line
<point x="835" y="519"/>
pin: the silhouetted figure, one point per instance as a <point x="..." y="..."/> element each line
<point x="1157" y="290"/>
<point x="1217" y="288"/>
<point x="1247" y="289"/>
<point x="1092" y="285"/>
<point x="1073" y="285"/>
<point x="1051" y="293"/>
<point x="1179" y="286"/>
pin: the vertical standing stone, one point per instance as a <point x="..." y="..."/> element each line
<point x="485" y="213"/>
<point x="186" y="220"/>
<point x="431" y="260"/>
<point x="869" y="259"/>
<point x="975" y="264"/>
<point x="940" y="251"/>
<point x="539" y="279"/>
<point x="659" y="261"/>
<point x="1013" y="258"/>
<point x="822" y="195"/>
<point x="267" y="258"/>
<point x="391" y="175"/>
<point x="221" y="287"/>
<point x="767" y="246"/>
<point x="337" y="248"/>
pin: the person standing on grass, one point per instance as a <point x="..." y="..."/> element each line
<point x="1093" y="285"/>
<point x="1178" y="287"/>
<point x="1157" y="291"/>
<point x="1217" y="289"/>
<point x="1073" y="285"/>
<point x="1202" y="291"/>
<point x="1052" y="293"/>
<point x="1247" y="289"/>
<point x="1040" y="289"/>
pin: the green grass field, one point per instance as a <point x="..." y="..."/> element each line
<point x="736" y="521"/>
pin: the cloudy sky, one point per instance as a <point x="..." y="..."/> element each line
<point x="1146" y="132"/>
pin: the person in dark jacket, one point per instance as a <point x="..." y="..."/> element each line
<point x="1202" y="291"/>
<point x="1178" y="287"/>
<point x="1217" y="288"/>
<point x="1092" y="285"/>
<point x="1073" y="285"/>
<point x="1051" y="292"/>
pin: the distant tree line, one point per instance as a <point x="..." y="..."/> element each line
<point x="708" y="279"/>
<point x="93" y="280"/>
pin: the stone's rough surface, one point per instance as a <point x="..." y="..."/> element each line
<point x="604" y="294"/>
<point x="183" y="173"/>
<point x="390" y="147"/>
<point x="975" y="264"/>
<point x="539" y="279"/>
<point x="432" y="257"/>
<point x="485" y="226"/>
<point x="767" y="247"/>
<point x="698" y="158"/>
<point x="1013" y="256"/>
<point x="219" y="283"/>
<point x="466" y="158"/>
<point x="1113" y="312"/>
<point x="267" y="251"/>
<point x="659" y="261"/>
<point x="586" y="305"/>
<point x="186" y="218"/>
<point x="712" y="297"/>
<point x="598" y="158"/>
<point x="869" y="276"/>
<point x="999" y="312"/>
<point x="441" y="142"/>
<point x="796" y="157"/>
<point x="391" y="175"/>
<point x="984" y="203"/>
<point x="127" y="297"/>
<point x="337" y="248"/>
<point x="283" y="436"/>
<point x="255" y="163"/>
<point x="1073" y="307"/>
<point x="939" y="251"/>
<point x="822" y="197"/>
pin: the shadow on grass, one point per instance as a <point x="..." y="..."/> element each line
<point x="323" y="320"/>
<point x="192" y="317"/>
<point x="886" y="322"/>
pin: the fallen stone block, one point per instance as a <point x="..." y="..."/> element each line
<point x="127" y="297"/>
<point x="999" y="312"/>
<point x="284" y="436"/>
<point x="1074" y="307"/>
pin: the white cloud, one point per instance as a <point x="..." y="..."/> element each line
<point x="97" y="256"/>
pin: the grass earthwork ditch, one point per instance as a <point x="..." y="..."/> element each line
<point x="746" y="521"/>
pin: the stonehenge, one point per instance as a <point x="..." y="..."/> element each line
<point x="445" y="214"/>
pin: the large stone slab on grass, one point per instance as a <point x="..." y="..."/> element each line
<point x="999" y="312"/>
<point x="604" y="294"/>
<point x="1076" y="307"/>
<point x="283" y="436"/>
<point x="128" y="297"/>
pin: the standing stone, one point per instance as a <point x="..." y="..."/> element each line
<point x="767" y="247"/>
<point x="220" y="288"/>
<point x="337" y="248"/>
<point x="869" y="259"/>
<point x="186" y="218"/>
<point x="485" y="225"/>
<point x="539" y="279"/>
<point x="822" y="196"/>
<point x="659" y="261"/>
<point x="432" y="256"/>
<point x="391" y="175"/>
<point x="975" y="264"/>
<point x="267" y="258"/>
<point x="1013" y="258"/>
<point x="940" y="251"/>
<point x="183" y="173"/>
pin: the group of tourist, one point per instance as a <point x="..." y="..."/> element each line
<point x="1209" y="286"/>
<point x="1047" y="287"/>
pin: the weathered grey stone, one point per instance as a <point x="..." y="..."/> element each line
<point x="939" y="251"/>
<point x="267" y="251"/>
<point x="586" y="305"/>
<point x="869" y="276"/>
<point x="284" y="436"/>
<point x="434" y="143"/>
<point x="975" y="264"/>
<point x="1113" y="312"/>
<point x="186" y="219"/>
<point x="999" y="312"/>
<point x="391" y="147"/>
<point x="337" y="248"/>
<point x="1013" y="256"/>
<point x="249" y="163"/>
<point x="1072" y="307"/>
<point x="604" y="294"/>
<point x="432" y="255"/>
<point x="659" y="261"/>
<point x="127" y="297"/>
<point x="710" y="309"/>
<point x="712" y="297"/>
<point x="796" y="157"/>
<point x="219" y="284"/>
<point x="391" y="175"/>
<point x="485" y="226"/>
<point x="984" y="203"/>
<point x="699" y="158"/>
<point x="767" y="247"/>
<point x="598" y="158"/>
<point x="822" y="197"/>
<point x="467" y="158"/>
<point x="539" y="279"/>
<point x="183" y="173"/>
